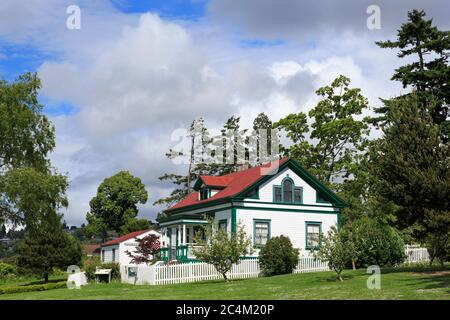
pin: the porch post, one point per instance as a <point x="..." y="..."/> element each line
<point x="179" y="236"/>
<point x="184" y="233"/>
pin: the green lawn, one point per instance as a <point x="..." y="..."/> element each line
<point x="407" y="283"/>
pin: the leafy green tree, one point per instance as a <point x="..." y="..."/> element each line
<point x="334" y="250"/>
<point x="337" y="137"/>
<point x="27" y="137"/>
<point x="46" y="247"/>
<point x="429" y="73"/>
<point x="335" y="150"/>
<point x="116" y="202"/>
<point x="278" y="256"/>
<point x="221" y="248"/>
<point x="412" y="167"/>
<point x="371" y="242"/>
<point x="29" y="195"/>
<point x="134" y="224"/>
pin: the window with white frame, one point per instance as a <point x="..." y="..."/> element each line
<point x="313" y="230"/>
<point x="261" y="232"/>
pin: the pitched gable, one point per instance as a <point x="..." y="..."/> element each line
<point x="238" y="184"/>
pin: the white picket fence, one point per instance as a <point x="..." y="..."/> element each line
<point x="416" y="254"/>
<point x="162" y="273"/>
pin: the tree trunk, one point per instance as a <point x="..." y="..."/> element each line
<point x="225" y="276"/>
<point x="45" y="277"/>
<point x="353" y="264"/>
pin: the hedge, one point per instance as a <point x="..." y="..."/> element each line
<point x="33" y="287"/>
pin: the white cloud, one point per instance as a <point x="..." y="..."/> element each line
<point x="136" y="78"/>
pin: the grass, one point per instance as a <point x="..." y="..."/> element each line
<point x="403" y="283"/>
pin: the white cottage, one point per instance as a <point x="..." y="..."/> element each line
<point x="115" y="250"/>
<point x="279" y="198"/>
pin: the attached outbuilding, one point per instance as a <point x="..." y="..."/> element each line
<point x="115" y="250"/>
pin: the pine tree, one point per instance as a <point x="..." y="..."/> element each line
<point x="429" y="74"/>
<point x="411" y="166"/>
<point x="48" y="246"/>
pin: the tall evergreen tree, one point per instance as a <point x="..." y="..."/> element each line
<point x="411" y="166"/>
<point x="429" y="73"/>
<point x="262" y="127"/>
<point x="48" y="246"/>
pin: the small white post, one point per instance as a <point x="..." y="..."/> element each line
<point x="184" y="233"/>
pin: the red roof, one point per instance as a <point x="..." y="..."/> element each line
<point x="216" y="181"/>
<point x="233" y="184"/>
<point x="124" y="238"/>
<point x="90" y="249"/>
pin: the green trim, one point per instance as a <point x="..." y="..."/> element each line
<point x="256" y="196"/>
<point x="305" y="175"/>
<point x="175" y="217"/>
<point x="290" y="210"/>
<point x="312" y="223"/>
<point x="273" y="193"/>
<point x="221" y="221"/>
<point x="205" y="193"/>
<point x="291" y="163"/>
<point x="233" y="220"/>
<point x="255" y="221"/>
<point x="339" y="218"/>
<point x="294" y="188"/>
<point x="301" y="195"/>
<point x="169" y="234"/>
<point x="318" y="200"/>
<point x="287" y="204"/>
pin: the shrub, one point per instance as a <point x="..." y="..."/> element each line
<point x="34" y="287"/>
<point x="334" y="250"/>
<point x="278" y="256"/>
<point x="375" y="243"/>
<point x="7" y="270"/>
<point x="114" y="266"/>
<point x="91" y="264"/>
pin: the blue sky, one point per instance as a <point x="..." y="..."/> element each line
<point x="137" y="71"/>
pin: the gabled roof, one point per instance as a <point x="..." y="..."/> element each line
<point x="213" y="181"/>
<point x="237" y="184"/>
<point x="124" y="238"/>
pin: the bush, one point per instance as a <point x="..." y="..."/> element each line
<point x="114" y="266"/>
<point x="91" y="264"/>
<point x="375" y="243"/>
<point x="7" y="270"/>
<point x="278" y="256"/>
<point x="34" y="287"/>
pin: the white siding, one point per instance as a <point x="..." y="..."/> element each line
<point x="120" y="250"/>
<point x="222" y="215"/>
<point x="287" y="223"/>
<point x="108" y="253"/>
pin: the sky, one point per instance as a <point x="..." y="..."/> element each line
<point x="134" y="72"/>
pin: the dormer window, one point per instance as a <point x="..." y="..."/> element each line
<point x="288" y="192"/>
<point x="204" y="193"/>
